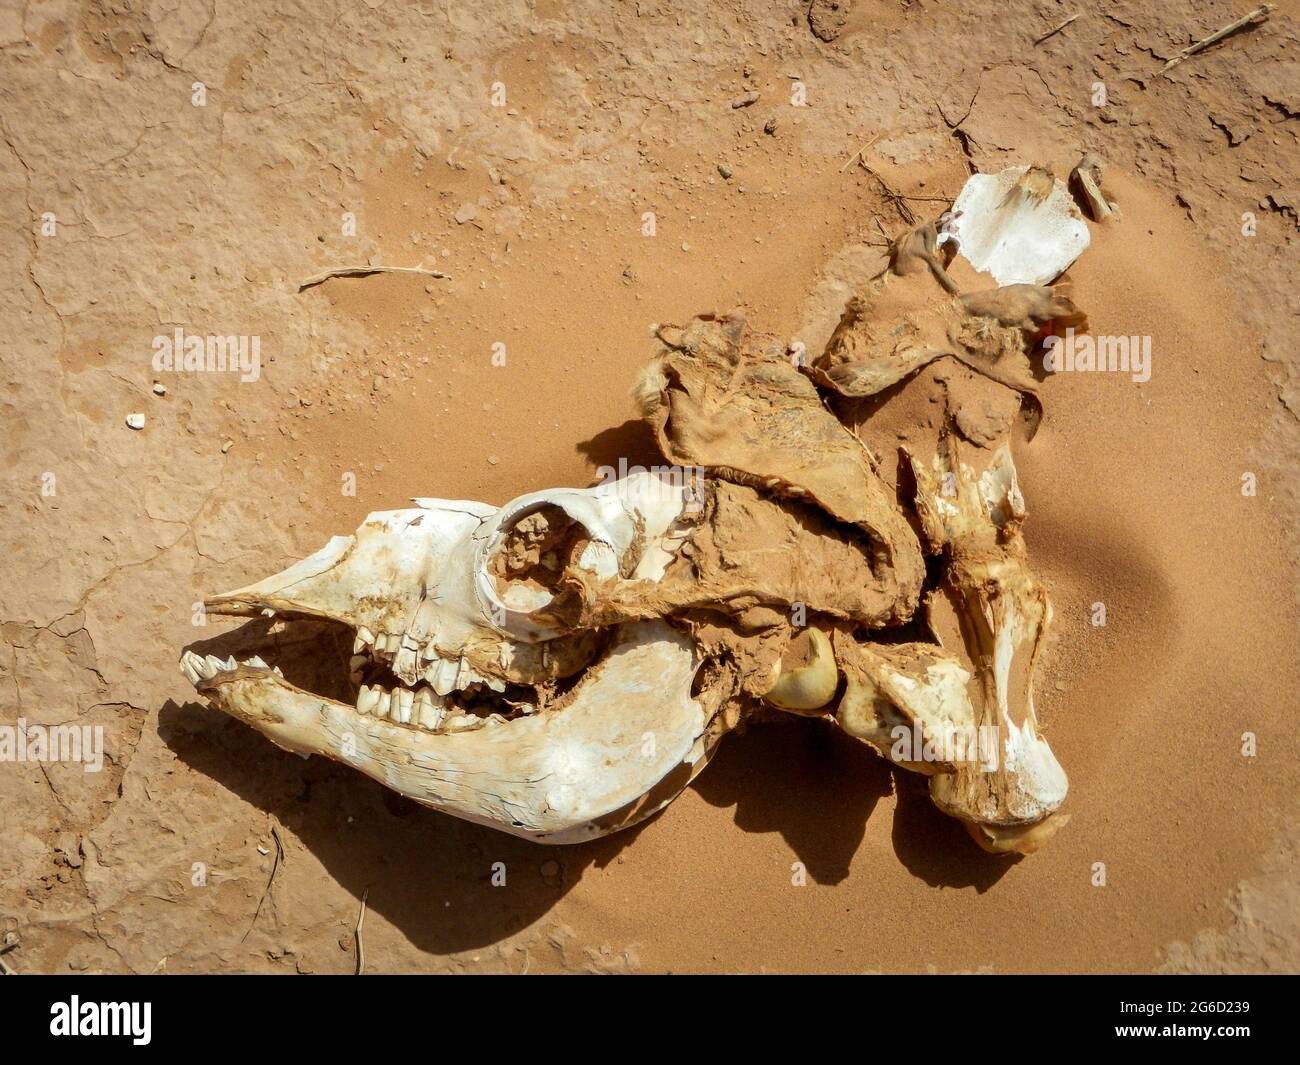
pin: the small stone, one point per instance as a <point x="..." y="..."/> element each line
<point x="226" y="446"/>
<point x="685" y="246"/>
<point x="159" y="389"/>
<point x="769" y="127"/>
<point x="744" y="101"/>
<point x="493" y="460"/>
<point x="135" y="421"/>
<point x="724" y="170"/>
<point x="467" y="212"/>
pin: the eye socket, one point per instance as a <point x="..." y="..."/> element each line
<point x="531" y="554"/>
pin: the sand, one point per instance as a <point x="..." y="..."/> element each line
<point x="798" y="849"/>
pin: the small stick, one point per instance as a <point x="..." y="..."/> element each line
<point x="1260" y="12"/>
<point x="1053" y="33"/>
<point x="275" y="868"/>
<point x="859" y="152"/>
<point x="365" y="271"/>
<point x="361" y="947"/>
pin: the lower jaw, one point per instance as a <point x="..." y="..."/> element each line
<point x="561" y="775"/>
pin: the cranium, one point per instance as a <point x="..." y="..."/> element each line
<point x="562" y="666"/>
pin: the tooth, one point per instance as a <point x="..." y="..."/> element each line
<point x="494" y="720"/>
<point x="430" y="712"/>
<point x="189" y="667"/>
<point x="478" y="678"/>
<point x="277" y="671"/>
<point x="359" y="644"/>
<point x="404" y="665"/>
<point x="256" y="660"/>
<point x="367" y="700"/>
<point x="230" y="663"/>
<point x="209" y="666"/>
<point x="357" y="661"/>
<point x="383" y="704"/>
<point x="463" y="674"/>
<point x="461" y="723"/>
<point x="393" y="644"/>
<point x="808" y="687"/>
<point x="444" y="680"/>
<point x="430" y="652"/>
<point x="365" y="635"/>
<point x="405" y="699"/>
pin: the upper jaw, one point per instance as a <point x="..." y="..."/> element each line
<point x="417" y="585"/>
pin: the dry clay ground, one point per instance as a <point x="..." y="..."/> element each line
<point x="198" y="158"/>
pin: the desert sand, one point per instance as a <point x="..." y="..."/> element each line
<point x="199" y="161"/>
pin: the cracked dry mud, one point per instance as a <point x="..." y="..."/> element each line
<point x="169" y="214"/>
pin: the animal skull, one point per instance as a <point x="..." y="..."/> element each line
<point x="561" y="667"/>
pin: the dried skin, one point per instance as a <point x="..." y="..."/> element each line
<point x="909" y="317"/>
<point x="755" y="419"/>
<point x="750" y="551"/>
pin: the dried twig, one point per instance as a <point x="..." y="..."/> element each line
<point x="360" y="945"/>
<point x="275" y="866"/>
<point x="1058" y="29"/>
<point x="1260" y="12"/>
<point x="365" y="271"/>
<point x="859" y="152"/>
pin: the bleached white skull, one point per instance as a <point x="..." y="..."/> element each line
<point x="457" y="606"/>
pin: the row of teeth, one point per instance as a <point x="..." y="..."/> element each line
<point x="444" y="675"/>
<point x="402" y="706"/>
<point x="423" y="708"/>
<point x="195" y="666"/>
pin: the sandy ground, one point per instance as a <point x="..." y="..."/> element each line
<point x="201" y="847"/>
